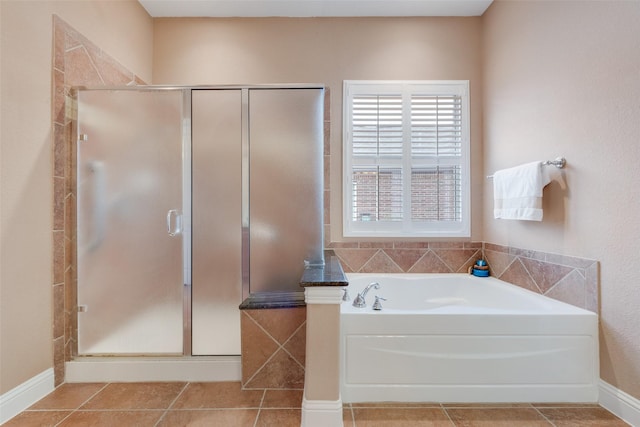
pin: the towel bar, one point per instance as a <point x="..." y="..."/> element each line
<point x="558" y="162"/>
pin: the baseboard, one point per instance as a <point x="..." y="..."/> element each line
<point x="619" y="403"/>
<point x="140" y="369"/>
<point x="26" y="394"/>
<point x="321" y="413"/>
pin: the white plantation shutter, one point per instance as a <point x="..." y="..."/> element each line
<point x="436" y="135"/>
<point x="436" y="125"/>
<point x="406" y="159"/>
<point x="377" y="125"/>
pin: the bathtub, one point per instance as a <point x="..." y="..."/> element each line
<point x="460" y="338"/>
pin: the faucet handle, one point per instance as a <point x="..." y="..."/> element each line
<point x="377" y="305"/>
<point x="345" y="296"/>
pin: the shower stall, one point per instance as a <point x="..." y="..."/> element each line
<point x="189" y="201"/>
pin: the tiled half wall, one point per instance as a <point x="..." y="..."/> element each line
<point x="273" y="347"/>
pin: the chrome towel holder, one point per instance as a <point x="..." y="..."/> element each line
<point x="559" y="162"/>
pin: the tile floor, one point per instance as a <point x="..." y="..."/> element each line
<point x="226" y="404"/>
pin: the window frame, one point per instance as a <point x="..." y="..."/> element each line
<point x="408" y="227"/>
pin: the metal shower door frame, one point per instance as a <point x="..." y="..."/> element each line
<point x="187" y="220"/>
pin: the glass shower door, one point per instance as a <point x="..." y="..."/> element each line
<point x="130" y="198"/>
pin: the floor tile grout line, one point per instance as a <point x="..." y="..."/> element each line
<point x="63" y="419"/>
<point x="122" y="410"/>
<point x="173" y="402"/>
<point x="255" y="422"/>
<point x="353" y="415"/>
<point x="491" y="406"/>
<point x="481" y="405"/>
<point x="93" y="395"/>
<point x="271" y="388"/>
<point x="83" y="403"/>
<point x="444" y="409"/>
<point x="544" y="416"/>
<point x="234" y="408"/>
<point x="264" y="394"/>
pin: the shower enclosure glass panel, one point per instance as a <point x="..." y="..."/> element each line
<point x="191" y="199"/>
<point x="286" y="181"/>
<point x="130" y="260"/>
<point x="217" y="228"/>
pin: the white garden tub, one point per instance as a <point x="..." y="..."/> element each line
<point x="460" y="338"/>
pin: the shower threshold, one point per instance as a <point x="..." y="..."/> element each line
<point x="141" y="369"/>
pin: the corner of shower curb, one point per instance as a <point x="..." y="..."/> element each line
<point x="141" y="369"/>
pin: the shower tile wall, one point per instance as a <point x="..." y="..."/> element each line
<point x="76" y="62"/>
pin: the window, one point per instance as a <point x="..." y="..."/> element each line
<point x="406" y="159"/>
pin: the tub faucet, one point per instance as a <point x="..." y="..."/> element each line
<point x="359" y="301"/>
<point x="377" y="305"/>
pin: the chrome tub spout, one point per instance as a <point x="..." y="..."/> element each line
<point x="360" y="301"/>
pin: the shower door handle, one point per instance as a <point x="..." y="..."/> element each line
<point x="174" y="223"/>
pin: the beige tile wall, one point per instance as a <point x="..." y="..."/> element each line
<point x="569" y="279"/>
<point x="408" y="257"/>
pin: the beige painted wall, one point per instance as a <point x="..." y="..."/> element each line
<point x="123" y="29"/>
<point x="326" y="50"/>
<point x="562" y="78"/>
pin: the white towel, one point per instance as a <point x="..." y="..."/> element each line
<point x="517" y="192"/>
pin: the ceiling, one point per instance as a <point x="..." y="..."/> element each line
<point x="313" y="8"/>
